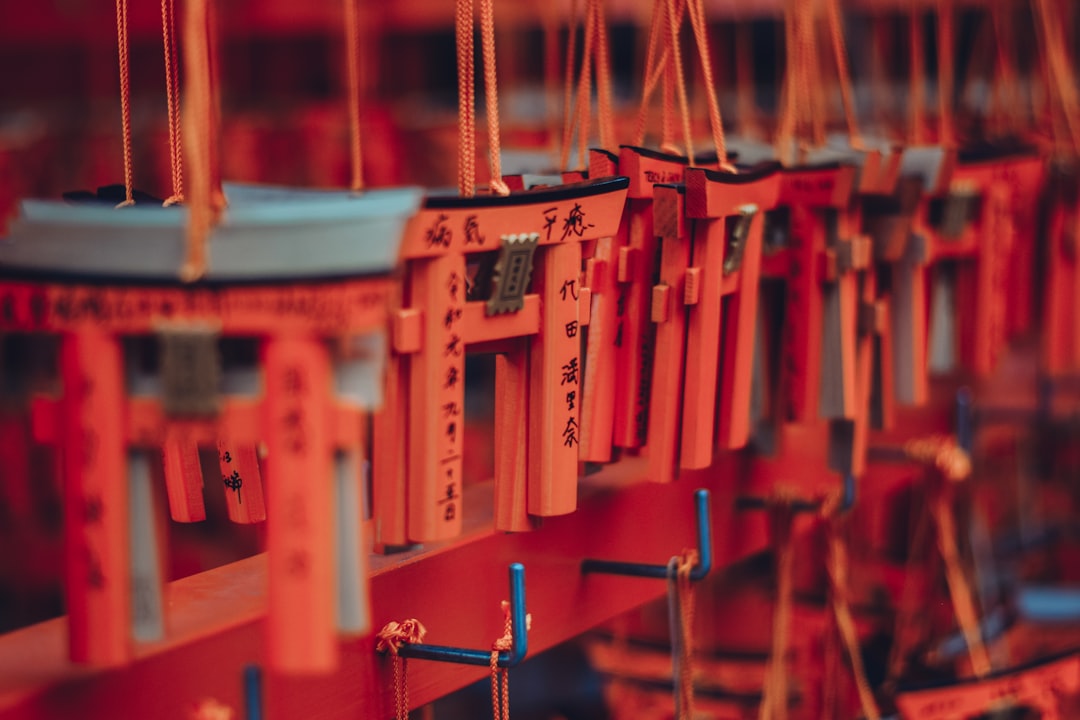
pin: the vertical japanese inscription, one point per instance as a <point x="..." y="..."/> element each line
<point x="299" y="481"/>
<point x="555" y="377"/>
<point x="437" y="382"/>
<point x="96" y="512"/>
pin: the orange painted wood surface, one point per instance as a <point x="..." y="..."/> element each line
<point x="511" y="440"/>
<point x="665" y="396"/>
<point x="96" y="552"/>
<point x="241" y="481"/>
<point x="436" y="381"/>
<point x="300" y="624"/>
<point x="183" y="476"/>
<point x="555" y="383"/>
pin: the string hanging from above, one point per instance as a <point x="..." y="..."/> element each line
<point x="595" y="51"/>
<point x="464" y="22"/>
<point x="125" y="97"/>
<point x="172" y="95"/>
<point x="663" y="65"/>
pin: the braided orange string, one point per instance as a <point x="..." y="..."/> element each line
<point x="839" y="47"/>
<point x="352" y="55"/>
<point x="125" y="96"/>
<point x="774" y="700"/>
<point x="696" y="11"/>
<point x="1061" y="71"/>
<point x="946" y="73"/>
<point x="500" y="677"/>
<point x="172" y="95"/>
<point x="917" y="88"/>
<point x="568" y="91"/>
<point x="491" y="95"/>
<point x="949" y="465"/>
<point x="466" y="100"/>
<point x="606" y="121"/>
<point x="838" y="573"/>
<point x="674" y="23"/>
<point x="389" y="640"/>
<point x="684" y="592"/>
<point x="584" y="103"/>
<point x="653" y="70"/>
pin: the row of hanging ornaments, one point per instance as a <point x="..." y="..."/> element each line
<point x="857" y="230"/>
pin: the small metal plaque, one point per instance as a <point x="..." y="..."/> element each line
<point x="737" y="238"/>
<point x="190" y="371"/>
<point x="513" y="271"/>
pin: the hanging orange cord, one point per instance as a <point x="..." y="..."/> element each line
<point x="172" y="95"/>
<point x="466" y="100"/>
<point x="584" y="94"/>
<point x="949" y="465"/>
<point x="696" y="11"/>
<point x="847" y="94"/>
<point x="595" y="51"/>
<point x="491" y="95"/>
<point x="655" y="70"/>
<point x="389" y="640"/>
<point x="1059" y="68"/>
<point x="838" y="568"/>
<point x="198" y="125"/>
<point x="674" y="14"/>
<point x="681" y="623"/>
<point x="568" y="89"/>
<point x="774" y="698"/>
<point x="125" y="96"/>
<point x="606" y="121"/>
<point x="352" y="50"/>
<point x="917" y="76"/>
<point x="1007" y="88"/>
<point x="500" y="677"/>
<point x="946" y="73"/>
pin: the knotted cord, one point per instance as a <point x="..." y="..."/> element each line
<point x="681" y="626"/>
<point x="125" y="97"/>
<point x="172" y="95"/>
<point x="774" y="699"/>
<point x="389" y="640"/>
<point x="500" y="677"/>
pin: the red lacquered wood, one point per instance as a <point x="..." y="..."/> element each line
<point x="97" y="572"/>
<point x="300" y="626"/>
<point x="511" y="439"/>
<point x="669" y="352"/>
<point x="241" y="481"/>
<point x="183" y="476"/>
<point x="555" y="384"/>
<point x="436" y="380"/>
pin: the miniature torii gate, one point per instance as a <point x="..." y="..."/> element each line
<point x="704" y="350"/>
<point x="531" y="243"/>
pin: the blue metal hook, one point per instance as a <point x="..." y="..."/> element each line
<point x="462" y="656"/>
<point x="704" y="548"/>
<point x="965" y="420"/>
<point x="847" y="501"/>
<point x="253" y="692"/>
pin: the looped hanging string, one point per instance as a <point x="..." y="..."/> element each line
<point x="352" y="56"/>
<point x="595" y="51"/>
<point x="1059" y="67"/>
<point x="500" y="677"/>
<point x="125" y="97"/>
<point x="491" y="95"/>
<point x="172" y="95"/>
<point x="774" y="699"/>
<point x="466" y="99"/>
<point x="681" y="627"/>
<point x="464" y="22"/>
<point x="949" y="465"/>
<point x="655" y="64"/>
<point x="917" y="75"/>
<point x="568" y="93"/>
<point x="946" y="73"/>
<point x="389" y="640"/>
<point x="696" y="11"/>
<point x="674" y="13"/>
<point x="838" y="565"/>
<point x="836" y="29"/>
